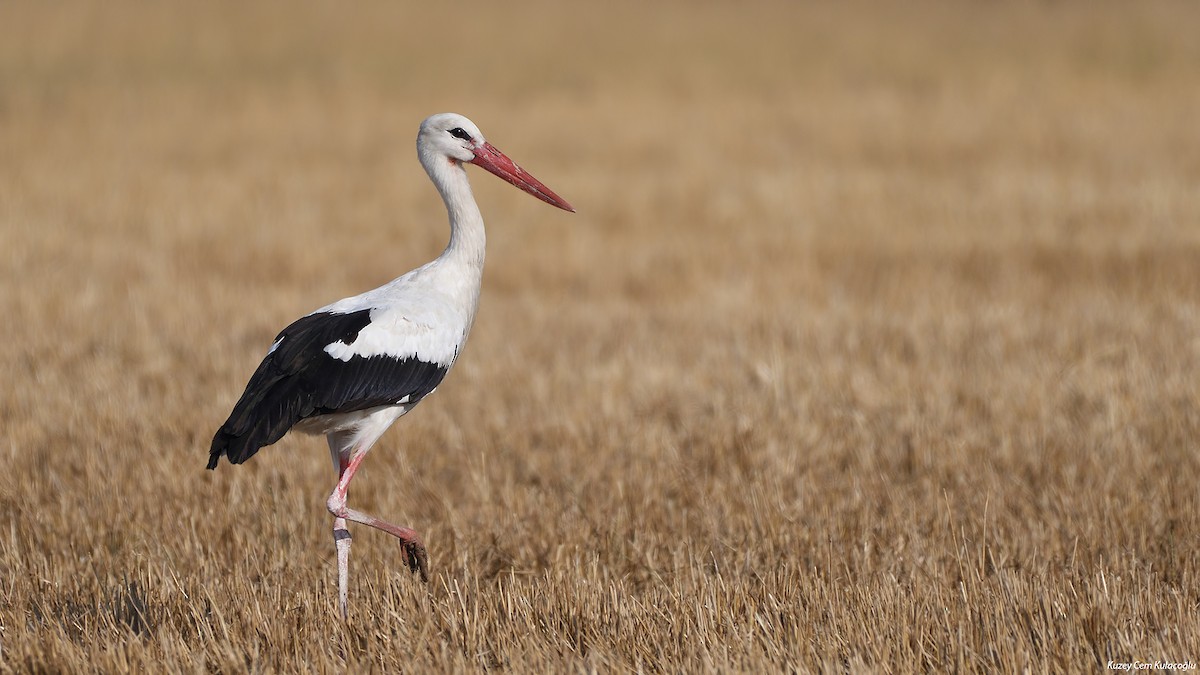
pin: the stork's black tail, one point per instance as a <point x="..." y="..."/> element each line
<point x="250" y="428"/>
<point x="272" y="403"/>
<point x="274" y="400"/>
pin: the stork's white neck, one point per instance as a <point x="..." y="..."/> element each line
<point x="451" y="282"/>
<point x="467" y="237"/>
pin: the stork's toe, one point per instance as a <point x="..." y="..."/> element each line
<point x="417" y="559"/>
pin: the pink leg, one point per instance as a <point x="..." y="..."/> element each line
<point x="414" y="549"/>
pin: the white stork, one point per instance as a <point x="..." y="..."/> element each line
<point x="352" y="368"/>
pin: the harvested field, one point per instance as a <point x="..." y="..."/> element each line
<point x="874" y="344"/>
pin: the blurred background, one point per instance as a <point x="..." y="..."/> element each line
<point x="900" y="298"/>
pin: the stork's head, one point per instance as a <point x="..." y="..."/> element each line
<point x="450" y="137"/>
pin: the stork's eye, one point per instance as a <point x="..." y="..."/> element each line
<point x="457" y="132"/>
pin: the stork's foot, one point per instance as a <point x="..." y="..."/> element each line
<point x="416" y="557"/>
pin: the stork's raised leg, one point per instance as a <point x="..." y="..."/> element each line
<point x="414" y="549"/>
<point x="348" y="449"/>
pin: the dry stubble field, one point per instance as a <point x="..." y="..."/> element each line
<point x="874" y="344"/>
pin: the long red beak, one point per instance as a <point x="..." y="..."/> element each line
<point x="488" y="157"/>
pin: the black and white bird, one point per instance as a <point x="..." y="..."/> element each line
<point x="352" y="368"/>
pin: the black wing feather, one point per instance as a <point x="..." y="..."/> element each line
<point x="299" y="380"/>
